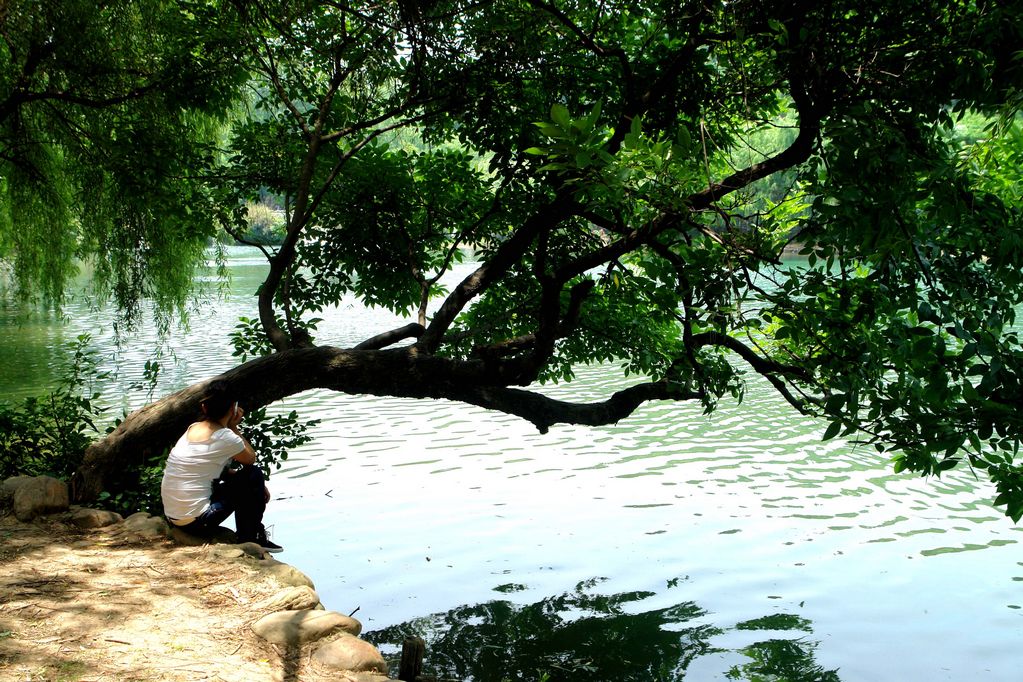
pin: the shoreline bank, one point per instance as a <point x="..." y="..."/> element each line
<point x="87" y="596"/>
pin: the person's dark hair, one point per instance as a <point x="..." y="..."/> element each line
<point x="217" y="400"/>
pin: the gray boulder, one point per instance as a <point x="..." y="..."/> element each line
<point x="252" y="549"/>
<point x="39" y="496"/>
<point x="8" y="487"/>
<point x="294" y="598"/>
<point x="348" y="652"/>
<point x="286" y="574"/>
<point x="144" y="526"/>
<point x="83" y="517"/>
<point x="220" y="535"/>
<point x="300" y="627"/>
<point x="352" y="676"/>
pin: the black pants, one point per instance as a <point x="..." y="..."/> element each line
<point x="241" y="492"/>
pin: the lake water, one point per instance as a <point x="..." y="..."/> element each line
<point x="671" y="546"/>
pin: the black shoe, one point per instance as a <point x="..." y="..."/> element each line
<point x="266" y="543"/>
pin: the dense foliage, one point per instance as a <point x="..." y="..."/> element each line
<point x="48" y="434"/>
<point x="629" y="175"/>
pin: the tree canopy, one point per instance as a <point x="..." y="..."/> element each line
<point x="627" y="175"/>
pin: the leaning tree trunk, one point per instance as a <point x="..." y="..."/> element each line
<point x="399" y="372"/>
<point x="153" y="429"/>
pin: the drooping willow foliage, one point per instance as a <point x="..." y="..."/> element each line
<point x="110" y="120"/>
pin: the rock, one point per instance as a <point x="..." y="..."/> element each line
<point x="291" y="599"/>
<point x="145" y="526"/>
<point x="8" y="487"/>
<point x="137" y="518"/>
<point x="38" y="496"/>
<point x="253" y="550"/>
<point x="348" y="652"/>
<point x="220" y="535"/>
<point x="285" y="574"/>
<point x="300" y="627"/>
<point x="246" y="550"/>
<point x="83" y="517"/>
<point x="350" y="676"/>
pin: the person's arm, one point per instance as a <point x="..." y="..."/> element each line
<point x="247" y="455"/>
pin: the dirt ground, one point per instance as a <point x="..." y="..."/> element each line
<point x="89" y="606"/>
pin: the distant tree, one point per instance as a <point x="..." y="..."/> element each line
<point x="601" y="160"/>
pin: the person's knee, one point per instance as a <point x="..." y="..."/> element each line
<point x="250" y="472"/>
<point x="245" y="482"/>
<point x="253" y="476"/>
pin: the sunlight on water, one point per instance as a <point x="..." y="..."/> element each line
<point x="444" y="515"/>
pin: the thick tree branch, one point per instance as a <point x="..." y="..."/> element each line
<point x="300" y="216"/>
<point x="568" y="323"/>
<point x="409" y="331"/>
<point x="796" y="153"/>
<point x="587" y="41"/>
<point x="506" y="255"/>
<point x="799" y="151"/>
<point x="759" y="363"/>
<point x="544" y="412"/>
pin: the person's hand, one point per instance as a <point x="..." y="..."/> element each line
<point x="266" y="494"/>
<point x="236" y="418"/>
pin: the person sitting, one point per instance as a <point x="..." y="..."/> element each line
<point x="211" y="473"/>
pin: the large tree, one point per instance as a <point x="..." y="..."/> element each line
<point x="628" y="175"/>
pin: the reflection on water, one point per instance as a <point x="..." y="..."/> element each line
<point x="586" y="636"/>
<point x="407" y="508"/>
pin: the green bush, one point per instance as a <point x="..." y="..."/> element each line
<point x="48" y="434"/>
<point x="138" y="489"/>
<point x="273" y="437"/>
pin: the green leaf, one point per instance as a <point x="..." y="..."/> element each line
<point x="636" y="128"/>
<point x="684" y="139"/>
<point x="832" y="430"/>
<point x="560" y="115"/>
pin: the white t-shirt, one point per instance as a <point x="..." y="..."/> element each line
<point x="190" y="471"/>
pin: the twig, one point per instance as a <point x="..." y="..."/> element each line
<point x="50" y="608"/>
<point x="237" y="597"/>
